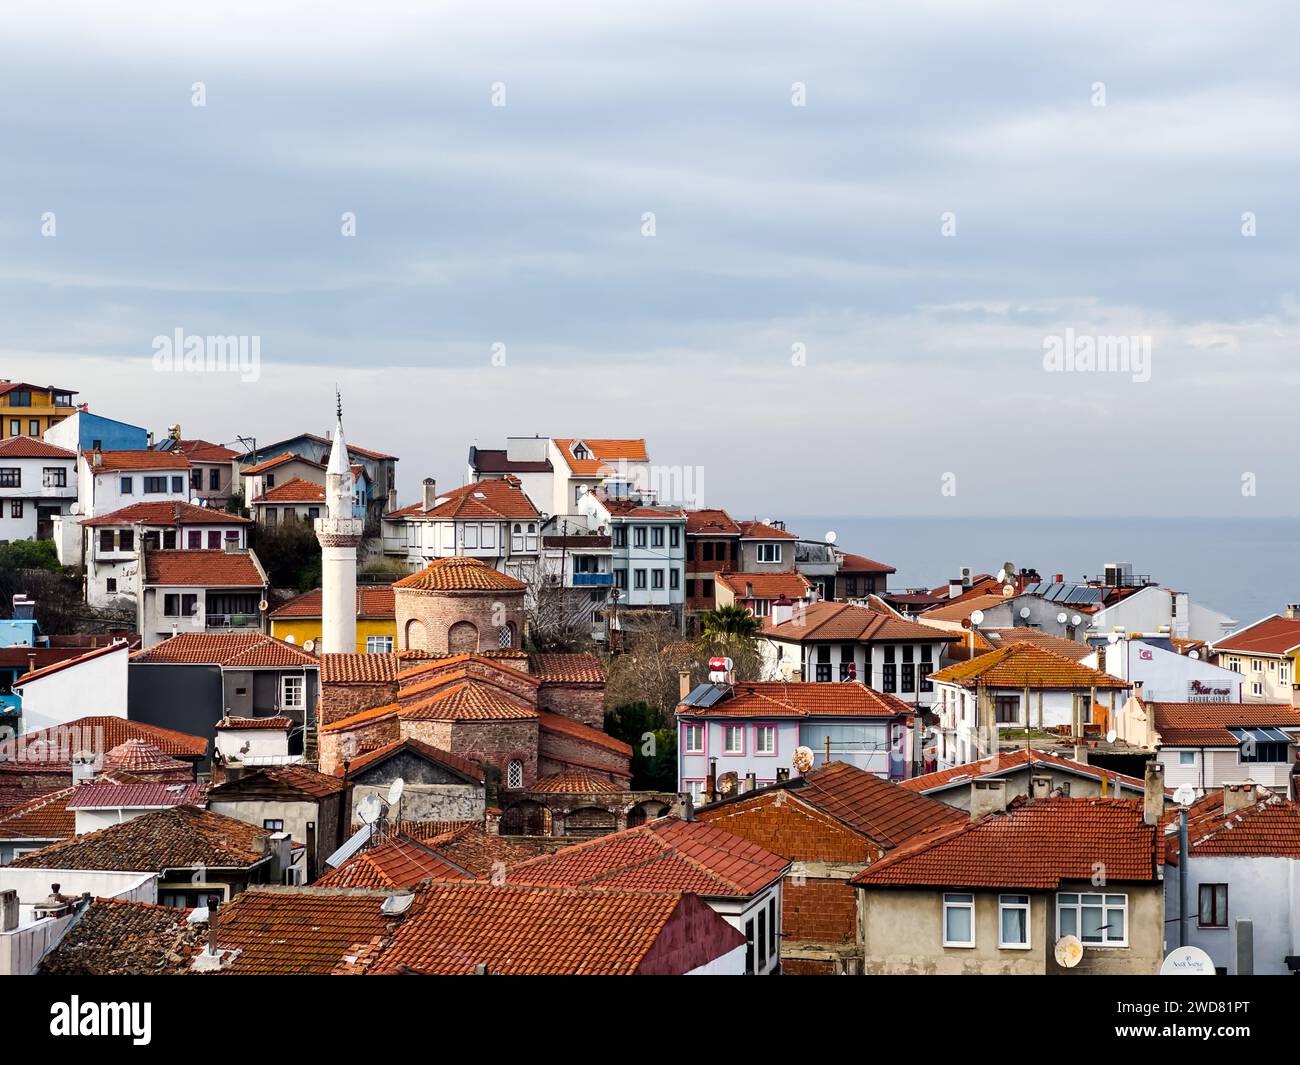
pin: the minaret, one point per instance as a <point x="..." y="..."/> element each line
<point x="339" y="533"/>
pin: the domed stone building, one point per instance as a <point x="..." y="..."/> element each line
<point x="459" y="605"/>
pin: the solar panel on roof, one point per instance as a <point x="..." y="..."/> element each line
<point x="704" y="695"/>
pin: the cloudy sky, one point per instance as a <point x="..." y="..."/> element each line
<point x="841" y="302"/>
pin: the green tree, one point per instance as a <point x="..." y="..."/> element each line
<point x="653" y="740"/>
<point x="730" y="622"/>
<point x="290" y="554"/>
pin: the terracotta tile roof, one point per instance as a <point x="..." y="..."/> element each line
<point x="359" y="669"/>
<point x="1274" y="635"/>
<point x="9" y="386"/>
<point x="775" y="698"/>
<point x="1033" y="846"/>
<point x="127" y="461"/>
<point x="1207" y="724"/>
<point x="204" y="451"/>
<point x="164" y="513"/>
<point x="298" y="777"/>
<point x="1268" y="828"/>
<point x="374" y="602"/>
<point x="177" y="838"/>
<point x="293" y="491"/>
<point x="278" y="722"/>
<point x="575" y="782"/>
<point x="605" y="455"/>
<point x="1011" y="762"/>
<point x="395" y="863"/>
<point x="242" y="650"/>
<point x="203" y="569"/>
<point x="468" y="845"/>
<point x="107" y="795"/>
<point x="413" y="674"/>
<point x="627" y="508"/>
<point x="496" y="498"/>
<point x="46" y="817"/>
<point x="139" y="755"/>
<point x="1023" y="665"/>
<point x="757" y="530"/>
<point x="961" y="609"/>
<point x="101" y="733"/>
<point x="789" y="583"/>
<point x="114" y="937"/>
<point x="667" y="854"/>
<point x="566" y="668"/>
<point x="460" y="573"/>
<point x="466" y="701"/>
<point x="844" y="621"/>
<point x="292" y="932"/>
<point x="57" y="667"/>
<point x="353" y="449"/>
<point x="564" y="726"/>
<point x="266" y="465"/>
<point x="860" y="564"/>
<point x="1072" y="649"/>
<point x="462" y="766"/>
<point x="710" y="523"/>
<point x="28" y="447"/>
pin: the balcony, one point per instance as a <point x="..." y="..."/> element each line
<point x="226" y="622"/>
<point x="593" y="580"/>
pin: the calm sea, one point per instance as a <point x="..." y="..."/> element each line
<point x="1245" y="567"/>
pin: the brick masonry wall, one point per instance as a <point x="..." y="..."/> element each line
<point x="789" y="827"/>
<point x="338" y="701"/>
<point x="819" y="911"/>
<point x="558" y="751"/>
<point x="331" y="745"/>
<point x="424" y="619"/>
<point x="577" y="703"/>
<point x="494" y="743"/>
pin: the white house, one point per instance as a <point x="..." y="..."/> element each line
<point x="37" y="482"/>
<point x="1265" y="655"/>
<point x="1244" y="862"/>
<point x="648" y="554"/>
<point x="261" y="478"/>
<point x="93" y="684"/>
<point x="1167" y="676"/>
<point x="110" y="480"/>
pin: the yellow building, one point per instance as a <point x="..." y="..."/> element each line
<point x="28" y="410"/>
<point x="299" y="620"/>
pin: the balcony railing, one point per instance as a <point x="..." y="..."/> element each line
<point x="593" y="580"/>
<point x="233" y="621"/>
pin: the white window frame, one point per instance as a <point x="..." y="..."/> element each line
<point x="727" y="732"/>
<point x="1011" y="902"/>
<point x="954" y="901"/>
<point x="770" y="732"/>
<point x="1078" y="906"/>
<point x="293" y="692"/>
<point x="379" y="645"/>
<point x="773" y="550"/>
<point x="690" y="729"/>
<point x="515" y="774"/>
<point x="1186" y="757"/>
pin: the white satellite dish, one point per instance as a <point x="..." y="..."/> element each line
<point x="1187" y="961"/>
<point x="1008" y="590"/>
<point x="263" y="606"/>
<point x="1193" y="654"/>
<point x="1184" y="795"/>
<point x="309" y="646"/>
<point x="1062" y="618"/>
<point x="395" y="791"/>
<point x="1113" y="637"/>
<point x="1112" y="736"/>
<point x="291" y="638"/>
<point x="1025" y="612"/>
<point x="1075" y="619"/>
<point x="786" y="670"/>
<point x="977" y="617"/>
<point x="1068" y="951"/>
<point x="369" y="809"/>
<point x="1001" y="576"/>
<point x="831" y="537"/>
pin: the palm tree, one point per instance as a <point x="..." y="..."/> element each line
<point x="731" y="622"/>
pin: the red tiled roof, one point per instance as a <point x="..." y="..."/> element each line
<point x="605" y="455"/>
<point x="203" y="569"/>
<point x="1023" y="665"/>
<point x="255" y="723"/>
<point x="1274" y="635"/>
<point x="860" y="564"/>
<point x="844" y="621"/>
<point x="165" y="513"/>
<point x="374" y="601"/>
<point x="466" y="701"/>
<point x="298" y="777"/>
<point x="1071" y="649"/>
<point x="1267" y="828"/>
<point x="106" y="795"/>
<point x="138" y="755"/>
<point x="176" y="838"/>
<point x="41" y="818"/>
<point x="1010" y="762"/>
<point x="279" y="460"/>
<point x="67" y="663"/>
<point x="293" y="491"/>
<point x="115" y="937"/>
<point x="460" y="573"/>
<point x="100" y="733"/>
<point x="205" y="451"/>
<point x="1207" y="724"/>
<point x="757" y="530"/>
<point x="667" y="854"/>
<point x="1033" y="846"/>
<point x="496" y="498"/>
<point x="463" y="766"/>
<point x="555" y="668"/>
<point x="395" y="863"/>
<point x="774" y="698"/>
<point x="554" y="723"/>
<point x="245" y="650"/>
<point x="961" y="609"/>
<point x="359" y="669"/>
<point x="113" y="461"/>
<point x="575" y="782"/>
<point x="29" y="447"/>
<point x="628" y="508"/>
<point x="710" y="523"/>
<point x="789" y="583"/>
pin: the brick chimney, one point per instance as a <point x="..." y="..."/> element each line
<point x="683" y="683"/>
<point x="1238" y="797"/>
<point x="1153" y="796"/>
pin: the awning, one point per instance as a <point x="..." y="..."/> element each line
<point x="1261" y="735"/>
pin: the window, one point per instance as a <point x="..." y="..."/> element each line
<point x="733" y="739"/>
<point x="530" y="542"/>
<point x="762" y="940"/>
<point x="196" y="479"/>
<point x="21" y="398"/>
<point x="11" y="477"/>
<point x="488" y="536"/>
<point x="269" y="481"/>
<point x="214" y="479"/>
<point x="106" y="539"/>
<point x="693" y="739"/>
<point x="194" y="539"/>
<point x="909" y="677"/>
<point x="110" y="585"/>
<point x="1257" y="665"/>
<point x="888" y="672"/>
<point x="695" y="789"/>
<point x="1257" y="688"/>
<point x="620" y="578"/>
<point x="515" y="774"/>
<point x="1214" y="906"/>
<point x="765" y="739"/>
<point x="749" y="948"/>
<point x="620" y="536"/>
<point x="1186" y="757"/>
<point x="169" y="539"/>
<point x="638" y="536"/>
<point x="176" y="605"/>
<point x="1007" y="709"/>
<point x="706" y="587"/>
<point x="1094" y="918"/>
<point x="516" y="537"/>
<point x="1234" y="664"/>
<point x="33" y="428"/>
<point x="852" y="740"/>
<point x="379" y="645"/>
<point x="657" y="536"/>
<point x="927" y="667"/>
<point x="656" y="578"/>
<point x="674" y="537"/>
<point x="638" y="578"/>
<point x="126" y="540"/>
<point x="1013" y="922"/>
<point x="1252" y="750"/>
<point x="54" y="477"/>
<point x="272" y="824"/>
<point x="15" y="508"/>
<point x="690" y="586"/>
<point x="126" y="486"/>
<point x="214" y="539"/>
<point x="769" y="552"/>
<point x="674" y="579"/>
<point x="959" y="920"/>
<point x="293" y="692"/>
<point x="155" y="485"/>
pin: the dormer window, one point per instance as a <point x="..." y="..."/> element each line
<point x="580" y="452"/>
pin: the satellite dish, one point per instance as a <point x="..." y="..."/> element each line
<point x="263" y="606"/>
<point x="728" y="783"/>
<point x="1184" y="795"/>
<point x="1075" y="619"/>
<point x="395" y="791"/>
<point x="1008" y="590"/>
<point x="1062" y="618"/>
<point x="802" y="759"/>
<point x="1025" y="612"/>
<point x="786" y="670"/>
<point x="977" y="617"/>
<point x="1187" y="961"/>
<point x="1068" y="952"/>
<point x="1001" y="576"/>
<point x="309" y="646"/>
<point x="291" y="638"/>
<point x="1193" y="654"/>
<point x="369" y="809"/>
<point x="831" y="537"/>
<point x="1112" y="736"/>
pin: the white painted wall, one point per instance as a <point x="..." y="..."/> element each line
<point x="32" y="492"/>
<point x="1165" y="675"/>
<point x="101" y="492"/>
<point x="91" y="688"/>
<point x="730" y="964"/>
<point x="262" y="743"/>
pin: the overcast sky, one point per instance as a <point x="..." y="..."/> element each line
<point x="775" y="225"/>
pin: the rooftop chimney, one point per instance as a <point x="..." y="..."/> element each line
<point x="711" y="782"/>
<point x="1153" y="798"/>
<point x="97" y="459"/>
<point x="683" y="683"/>
<point x="1238" y="797"/>
<point x="987" y="797"/>
<point x="684" y="808"/>
<point x="782" y="610"/>
<point x="955" y="587"/>
<point x="430" y="493"/>
<point x="1292" y="609"/>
